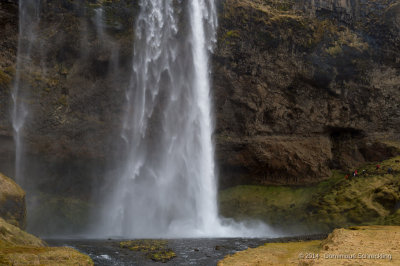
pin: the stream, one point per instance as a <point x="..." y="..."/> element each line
<point x="199" y="251"/>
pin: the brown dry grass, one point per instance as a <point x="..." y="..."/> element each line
<point x="22" y="255"/>
<point x="9" y="187"/>
<point x="365" y="240"/>
<point x="20" y="248"/>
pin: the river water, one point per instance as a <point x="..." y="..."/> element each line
<point x="189" y="251"/>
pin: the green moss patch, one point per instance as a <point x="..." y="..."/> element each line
<point x="156" y="250"/>
<point x="371" y="198"/>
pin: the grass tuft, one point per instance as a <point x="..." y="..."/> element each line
<point x="156" y="250"/>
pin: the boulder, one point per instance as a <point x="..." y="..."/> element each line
<point x="12" y="202"/>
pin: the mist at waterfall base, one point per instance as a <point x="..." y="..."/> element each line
<point x="160" y="180"/>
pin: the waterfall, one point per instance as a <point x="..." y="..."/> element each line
<point x="164" y="183"/>
<point x="29" y="11"/>
<point x="167" y="185"/>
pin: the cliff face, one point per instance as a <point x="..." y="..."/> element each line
<point x="300" y="87"/>
<point x="73" y="89"/>
<point x="303" y="87"/>
<point x="8" y="44"/>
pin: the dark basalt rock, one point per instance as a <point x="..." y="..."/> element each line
<point x="308" y="74"/>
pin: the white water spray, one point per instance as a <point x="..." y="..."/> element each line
<point x="167" y="187"/>
<point x="29" y="19"/>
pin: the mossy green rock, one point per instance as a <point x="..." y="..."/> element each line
<point x="156" y="250"/>
<point x="371" y="198"/>
<point x="12" y="202"/>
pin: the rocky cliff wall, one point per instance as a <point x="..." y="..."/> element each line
<point x="74" y="88"/>
<point x="303" y="87"/>
<point x="300" y="87"/>
<point x="8" y="44"/>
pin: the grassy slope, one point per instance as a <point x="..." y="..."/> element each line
<point x="336" y="202"/>
<point x="12" y="202"/>
<point x="20" y="248"/>
<point x="363" y="240"/>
